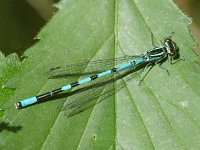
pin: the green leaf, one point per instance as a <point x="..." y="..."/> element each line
<point x="1" y="113"/>
<point x="162" y="113"/>
<point x="8" y="68"/>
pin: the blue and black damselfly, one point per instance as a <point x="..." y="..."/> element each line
<point x="154" y="56"/>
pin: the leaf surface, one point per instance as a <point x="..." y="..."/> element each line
<point x="162" y="113"/>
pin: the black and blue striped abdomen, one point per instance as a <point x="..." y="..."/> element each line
<point x="38" y="98"/>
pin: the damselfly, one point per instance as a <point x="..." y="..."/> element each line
<point x="152" y="57"/>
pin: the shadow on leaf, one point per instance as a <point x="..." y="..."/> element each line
<point x="6" y="126"/>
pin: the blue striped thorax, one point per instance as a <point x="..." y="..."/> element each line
<point x="171" y="47"/>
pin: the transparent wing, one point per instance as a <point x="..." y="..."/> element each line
<point x="86" y="97"/>
<point x="92" y="67"/>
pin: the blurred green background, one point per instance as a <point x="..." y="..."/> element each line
<point x="21" y="20"/>
<point x="192" y="9"/>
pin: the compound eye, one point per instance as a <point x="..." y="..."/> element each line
<point x="168" y="40"/>
<point x="172" y="53"/>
